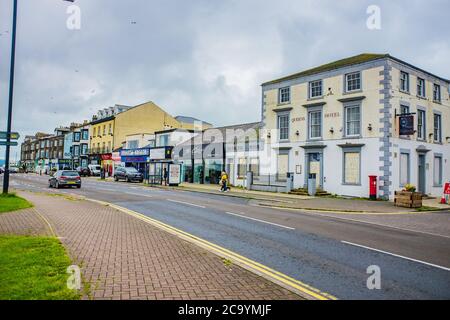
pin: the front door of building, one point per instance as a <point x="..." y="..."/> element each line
<point x="315" y="167"/>
<point x="421" y="185"/>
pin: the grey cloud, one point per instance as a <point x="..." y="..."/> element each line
<point x="205" y="59"/>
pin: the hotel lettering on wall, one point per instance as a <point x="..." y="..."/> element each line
<point x="406" y="125"/>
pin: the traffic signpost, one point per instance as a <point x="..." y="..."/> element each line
<point x="11" y="144"/>
<point x="12" y="135"/>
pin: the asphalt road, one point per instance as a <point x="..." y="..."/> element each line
<point x="330" y="254"/>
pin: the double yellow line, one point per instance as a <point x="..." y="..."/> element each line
<point x="285" y="281"/>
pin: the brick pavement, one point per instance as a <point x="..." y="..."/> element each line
<point x="25" y="222"/>
<point x="125" y="258"/>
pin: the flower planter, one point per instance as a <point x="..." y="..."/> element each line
<point x="408" y="199"/>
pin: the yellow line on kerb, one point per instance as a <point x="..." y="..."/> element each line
<point x="276" y="275"/>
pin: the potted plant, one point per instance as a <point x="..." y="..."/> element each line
<point x="408" y="197"/>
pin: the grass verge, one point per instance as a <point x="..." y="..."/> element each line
<point x="429" y="209"/>
<point x="11" y="202"/>
<point x="34" y="268"/>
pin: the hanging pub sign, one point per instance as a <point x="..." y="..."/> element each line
<point x="406" y="124"/>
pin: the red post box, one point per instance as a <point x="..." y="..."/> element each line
<point x="373" y="187"/>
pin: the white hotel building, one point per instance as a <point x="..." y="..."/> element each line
<point x="340" y="122"/>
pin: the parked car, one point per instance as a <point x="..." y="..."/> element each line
<point x="94" y="170"/>
<point x="13" y="169"/>
<point x="65" y="178"/>
<point x="2" y="170"/>
<point x="129" y="174"/>
<point x="83" y="172"/>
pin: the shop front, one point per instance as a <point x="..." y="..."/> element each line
<point x="107" y="164"/>
<point x="136" y="158"/>
<point x="202" y="164"/>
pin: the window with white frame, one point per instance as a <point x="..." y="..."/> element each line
<point x="315" y="124"/>
<point x="404" y="169"/>
<point x="404" y="109"/>
<point x="352" y="167"/>
<point x="437" y="128"/>
<point x="421" y="118"/>
<point x="76" y="151"/>
<point x="437" y="171"/>
<point x="353" y="120"/>
<point x="353" y="81"/>
<point x="283" y="126"/>
<point x="84" y="149"/>
<point x="437" y="92"/>
<point x="315" y="89"/>
<point x="421" y="87"/>
<point x="85" y="134"/>
<point x="284" y="95"/>
<point x="404" y="81"/>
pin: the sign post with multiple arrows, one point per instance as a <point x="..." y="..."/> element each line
<point x="13" y="136"/>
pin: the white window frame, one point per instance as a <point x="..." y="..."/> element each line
<point x="421" y="89"/>
<point x="279" y="118"/>
<point x="421" y="126"/>
<point x="406" y="107"/>
<point x="284" y="95"/>
<point x="437" y="93"/>
<point x="314" y="87"/>
<point x="310" y="137"/>
<point x="437" y="130"/>
<point x="404" y="81"/>
<point x="347" y="121"/>
<point x="358" y="78"/>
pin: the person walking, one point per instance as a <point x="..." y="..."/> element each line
<point x="165" y="176"/>
<point x="224" y="182"/>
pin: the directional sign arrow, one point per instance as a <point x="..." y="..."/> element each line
<point x="13" y="135"/>
<point x="12" y="143"/>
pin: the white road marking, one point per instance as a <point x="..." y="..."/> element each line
<point x="186" y="203"/>
<point x="263" y="221"/>
<point x="396" y="255"/>
<point x="139" y="194"/>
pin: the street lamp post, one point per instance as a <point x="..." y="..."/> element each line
<point x="10" y="104"/>
<point x="11" y="96"/>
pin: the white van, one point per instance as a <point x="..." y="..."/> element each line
<point x="94" y="169"/>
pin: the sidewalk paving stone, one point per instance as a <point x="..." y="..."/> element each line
<point x="125" y="258"/>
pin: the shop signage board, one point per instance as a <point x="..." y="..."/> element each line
<point x="174" y="174"/>
<point x="406" y="125"/>
<point x="160" y="153"/>
<point x="13" y="135"/>
<point x="134" y="159"/>
<point x="447" y="193"/>
<point x="134" y="152"/>
<point x="12" y="143"/>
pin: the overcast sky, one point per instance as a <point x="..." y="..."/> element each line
<point x="204" y="58"/>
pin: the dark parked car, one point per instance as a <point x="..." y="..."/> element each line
<point x="83" y="172"/>
<point x="129" y="174"/>
<point x="65" y="178"/>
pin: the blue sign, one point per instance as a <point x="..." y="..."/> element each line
<point x="135" y="152"/>
<point x="407" y="125"/>
<point x="134" y="159"/>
